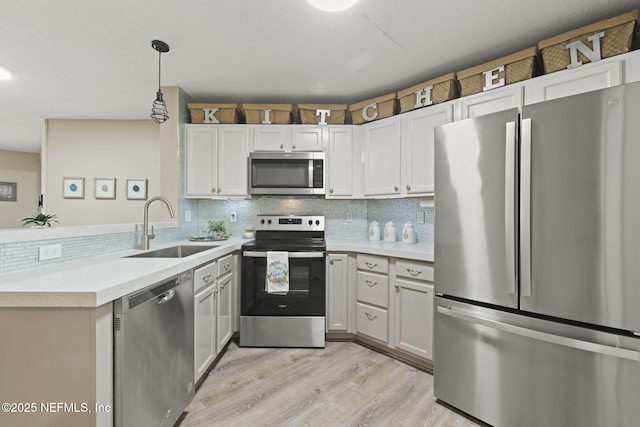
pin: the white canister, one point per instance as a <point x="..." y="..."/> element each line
<point x="390" y="234"/>
<point x="374" y="231"/>
<point x="409" y="233"/>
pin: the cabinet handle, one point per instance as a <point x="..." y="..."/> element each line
<point x="222" y="285"/>
<point x="331" y="190"/>
<point x="370" y="316"/>
<point x="331" y="261"/>
<point x="371" y="264"/>
<point x="206" y="278"/>
<point x="214" y="290"/>
<point x="414" y="272"/>
<point x="294" y="146"/>
<point x="226" y="267"/>
<point x="371" y="283"/>
<point x="281" y="146"/>
<point x="397" y="285"/>
<point x="213" y="190"/>
<point x="395" y="188"/>
<point x="408" y="187"/>
<point x="219" y="189"/>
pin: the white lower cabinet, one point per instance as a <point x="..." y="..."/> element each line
<point x="337" y="292"/>
<point x="214" y="299"/>
<point x="372" y="321"/>
<point x="372" y="293"/>
<point x="205" y="318"/>
<point x="225" y="301"/>
<point x="413" y="313"/>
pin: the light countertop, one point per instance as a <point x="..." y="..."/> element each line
<point x="92" y="282"/>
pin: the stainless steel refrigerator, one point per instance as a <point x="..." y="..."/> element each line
<point x="537" y="263"/>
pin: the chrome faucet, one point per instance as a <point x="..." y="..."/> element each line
<point x="145" y="233"/>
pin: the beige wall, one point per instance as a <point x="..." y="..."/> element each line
<point x="23" y="169"/>
<point x="90" y="149"/>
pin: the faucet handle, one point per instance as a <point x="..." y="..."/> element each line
<point x="152" y="235"/>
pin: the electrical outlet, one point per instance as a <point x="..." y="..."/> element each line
<point x="187" y="216"/>
<point x="233" y="217"/>
<point x="420" y="217"/>
<point x="50" y="252"/>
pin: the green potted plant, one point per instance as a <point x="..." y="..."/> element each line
<point x="217" y="229"/>
<point x="40" y="220"/>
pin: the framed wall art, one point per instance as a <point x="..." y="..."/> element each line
<point x="73" y="188"/>
<point x="105" y="188"/>
<point x="8" y="191"/>
<point x="137" y="189"/>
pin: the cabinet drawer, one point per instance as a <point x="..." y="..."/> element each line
<point x="204" y="276"/>
<point x="414" y="270"/>
<point x="373" y="263"/>
<point x="373" y="288"/>
<point x="372" y="321"/>
<point x="225" y="265"/>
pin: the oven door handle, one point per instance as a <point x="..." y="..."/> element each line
<point x="260" y="254"/>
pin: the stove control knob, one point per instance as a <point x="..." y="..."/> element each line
<point x="317" y="222"/>
<point x="268" y="221"/>
<point x="262" y="221"/>
<point x="310" y="222"/>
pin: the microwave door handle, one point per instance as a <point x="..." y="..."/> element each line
<point x="310" y="173"/>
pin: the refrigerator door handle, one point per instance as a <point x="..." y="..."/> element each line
<point x="509" y="205"/>
<point x="525" y="208"/>
<point x="543" y="336"/>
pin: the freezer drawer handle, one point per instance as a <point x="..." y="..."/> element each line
<point x="543" y="336"/>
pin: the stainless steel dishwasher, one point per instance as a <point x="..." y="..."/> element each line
<point x="153" y="353"/>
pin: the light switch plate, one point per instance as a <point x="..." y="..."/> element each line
<point x="187" y="216"/>
<point x="50" y="252"/>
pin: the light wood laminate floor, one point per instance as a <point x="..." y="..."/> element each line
<point x="344" y="384"/>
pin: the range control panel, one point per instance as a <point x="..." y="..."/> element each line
<point x="290" y="222"/>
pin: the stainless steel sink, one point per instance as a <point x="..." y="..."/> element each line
<point x="179" y="251"/>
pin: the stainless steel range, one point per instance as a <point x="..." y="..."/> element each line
<point x="283" y="290"/>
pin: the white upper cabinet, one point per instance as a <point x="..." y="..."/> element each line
<point x="287" y="138"/>
<point x="216" y="161"/>
<point x="341" y="162"/>
<point x="417" y="144"/>
<point x="593" y="76"/>
<point x="489" y="102"/>
<point x="381" y="146"/>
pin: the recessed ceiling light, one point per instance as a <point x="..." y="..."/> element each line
<point x="333" y="5"/>
<point x="5" y="74"/>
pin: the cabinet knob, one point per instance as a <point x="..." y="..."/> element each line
<point x="331" y="261"/>
<point x="331" y="190"/>
<point x="408" y="187"/>
<point x="219" y="190"/>
<point x="395" y="188"/>
<point x="213" y="190"/>
<point x="281" y="145"/>
<point x="294" y="146"/>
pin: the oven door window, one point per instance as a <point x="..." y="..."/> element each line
<point x="306" y="296"/>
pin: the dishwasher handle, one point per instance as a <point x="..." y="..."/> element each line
<point x="167" y="296"/>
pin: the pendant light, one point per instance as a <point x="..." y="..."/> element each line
<point x="159" y="112"/>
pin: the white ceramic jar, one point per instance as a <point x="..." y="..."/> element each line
<point x="374" y="231"/>
<point x="390" y="234"/>
<point x="409" y="234"/>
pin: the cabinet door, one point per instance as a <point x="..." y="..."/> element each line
<point x="586" y="78"/>
<point x="232" y="160"/>
<point x="417" y="147"/>
<point x="414" y="317"/>
<point x="201" y="168"/>
<point x="225" y="289"/>
<point x="500" y="99"/>
<point x="204" y="330"/>
<point x="341" y="163"/>
<point x="271" y="138"/>
<point x="382" y="157"/>
<point x="306" y="138"/>
<point x="337" y="292"/>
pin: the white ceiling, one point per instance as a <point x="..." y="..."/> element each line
<point x="93" y="59"/>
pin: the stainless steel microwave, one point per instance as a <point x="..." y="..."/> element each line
<point x="286" y="174"/>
